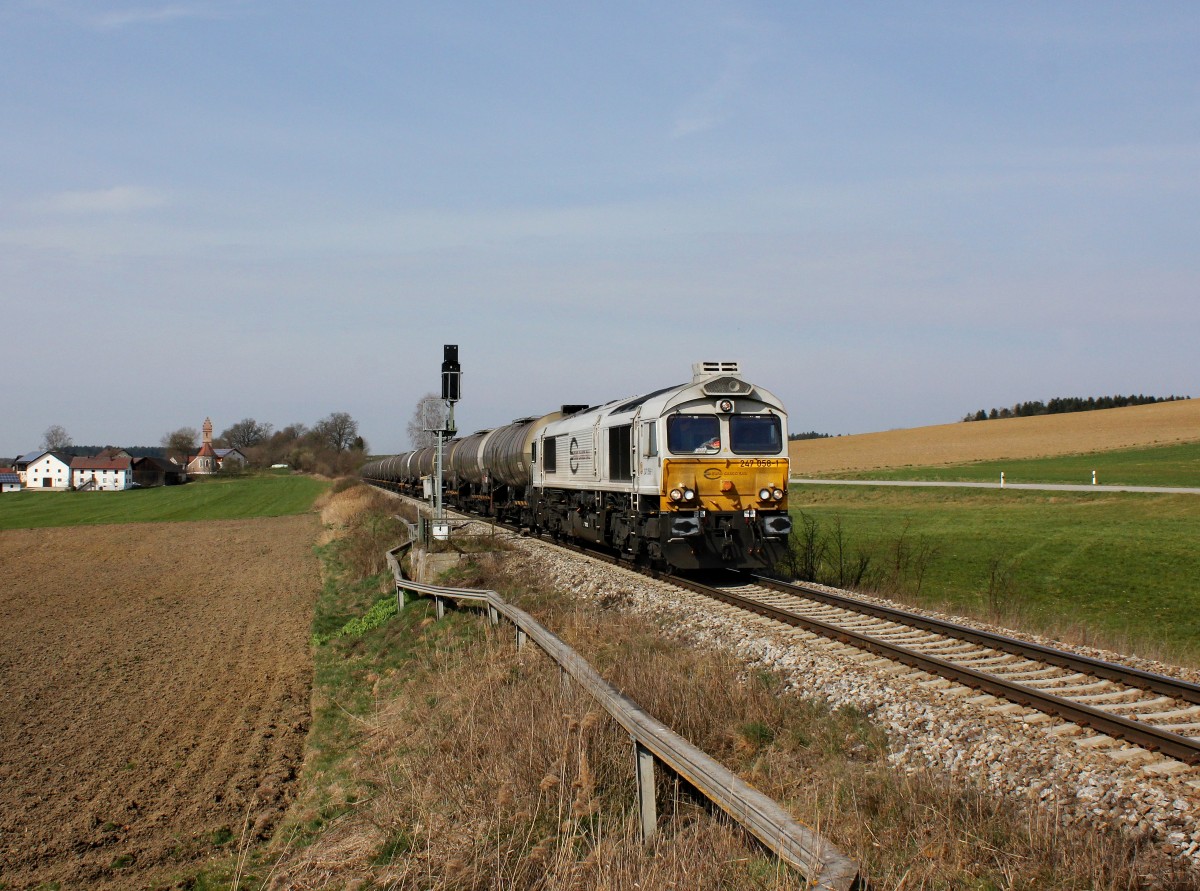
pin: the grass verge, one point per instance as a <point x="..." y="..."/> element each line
<point x="1113" y="570"/>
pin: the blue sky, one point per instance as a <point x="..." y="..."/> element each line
<point x="891" y="214"/>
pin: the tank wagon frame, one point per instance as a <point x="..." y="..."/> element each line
<point x="693" y="476"/>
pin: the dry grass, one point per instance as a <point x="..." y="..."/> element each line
<point x="1049" y="435"/>
<point x="363" y="522"/>
<point x="477" y="769"/>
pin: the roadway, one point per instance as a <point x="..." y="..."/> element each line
<point x="1050" y="487"/>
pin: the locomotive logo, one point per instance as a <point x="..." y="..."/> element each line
<point x="576" y="455"/>
<point x="713" y="473"/>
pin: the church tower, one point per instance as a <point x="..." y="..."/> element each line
<point x="206" y="459"/>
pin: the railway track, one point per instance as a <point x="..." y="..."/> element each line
<point x="1155" y="712"/>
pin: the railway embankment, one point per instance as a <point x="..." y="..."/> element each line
<point x="453" y="739"/>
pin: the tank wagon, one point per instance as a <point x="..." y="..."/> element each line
<point x="693" y="476"/>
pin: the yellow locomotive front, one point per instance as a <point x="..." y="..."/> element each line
<point x="724" y="482"/>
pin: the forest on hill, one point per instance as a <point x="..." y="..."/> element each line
<point x="1065" y="404"/>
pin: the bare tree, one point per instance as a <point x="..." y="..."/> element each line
<point x="180" y="443"/>
<point x="56" y="437"/>
<point x="246" y="434"/>
<point x="429" y="415"/>
<point x="337" y="431"/>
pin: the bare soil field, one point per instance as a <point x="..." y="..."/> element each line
<point x="156" y="687"/>
<point x="1040" y="437"/>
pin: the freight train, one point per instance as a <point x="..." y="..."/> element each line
<point x="692" y="476"/>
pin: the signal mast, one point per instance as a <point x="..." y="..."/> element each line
<point x="451" y="393"/>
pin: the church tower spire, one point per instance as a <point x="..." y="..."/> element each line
<point x="207" y="428"/>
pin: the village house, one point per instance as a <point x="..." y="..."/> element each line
<point x="47" y="470"/>
<point x="101" y="474"/>
<point x="233" y="455"/>
<point x="9" y="481"/>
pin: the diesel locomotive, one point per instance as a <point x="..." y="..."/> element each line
<point x="692" y="476"/>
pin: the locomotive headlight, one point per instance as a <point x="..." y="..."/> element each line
<point x="689" y="495"/>
<point x="677" y="495"/>
<point x="725" y="405"/>
<point x="764" y="494"/>
<point x="777" y="494"/>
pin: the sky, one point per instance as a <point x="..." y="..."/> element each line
<point x="891" y="214"/>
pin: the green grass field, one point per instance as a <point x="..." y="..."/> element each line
<point x="1174" y="465"/>
<point x="1122" y="567"/>
<point x="211" y="499"/>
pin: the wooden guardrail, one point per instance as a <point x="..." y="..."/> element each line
<point x="822" y="864"/>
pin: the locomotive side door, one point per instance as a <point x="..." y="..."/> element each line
<point x="648" y="458"/>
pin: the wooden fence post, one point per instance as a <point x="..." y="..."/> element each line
<point x="647" y="808"/>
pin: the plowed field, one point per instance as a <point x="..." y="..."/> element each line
<point x="155" y="694"/>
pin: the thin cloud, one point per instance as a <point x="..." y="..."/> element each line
<point x="708" y="109"/>
<point x="114" y="19"/>
<point x="100" y="202"/>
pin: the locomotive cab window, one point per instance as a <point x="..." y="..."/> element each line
<point x="649" y="440"/>
<point x="620" y="452"/>
<point x="694" y="434"/>
<point x="755" y="435"/>
<point x="549" y="455"/>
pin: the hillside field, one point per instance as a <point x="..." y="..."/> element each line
<point x="1135" y="427"/>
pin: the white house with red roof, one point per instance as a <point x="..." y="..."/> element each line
<point x="101" y="474"/>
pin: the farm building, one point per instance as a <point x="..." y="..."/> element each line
<point x="101" y="474"/>
<point x="47" y="470"/>
<point x="234" y="455"/>
<point x="9" y="481"/>
<point x="150" y="471"/>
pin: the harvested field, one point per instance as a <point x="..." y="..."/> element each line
<point x="1163" y="423"/>
<point x="156" y="694"/>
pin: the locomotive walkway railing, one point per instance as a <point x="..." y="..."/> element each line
<point x="822" y="864"/>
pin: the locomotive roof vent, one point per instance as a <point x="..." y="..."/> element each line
<point x="720" y="379"/>
<point x="708" y="369"/>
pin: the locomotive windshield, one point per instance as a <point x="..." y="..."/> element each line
<point x="693" y="434"/>
<point x="755" y="435"/>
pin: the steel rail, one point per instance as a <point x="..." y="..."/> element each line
<point x="1112" y="671"/>
<point x="1153" y="738"/>
<point x="1146" y="736"/>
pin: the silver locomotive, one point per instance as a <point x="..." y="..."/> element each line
<point x="693" y="476"/>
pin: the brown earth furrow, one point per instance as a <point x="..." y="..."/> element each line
<point x="157" y="684"/>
